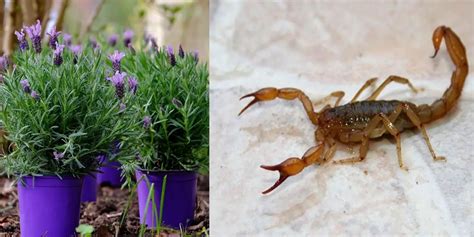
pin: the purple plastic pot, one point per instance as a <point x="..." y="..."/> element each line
<point x="180" y="197"/>
<point x="49" y="206"/>
<point x="89" y="189"/>
<point x="110" y="174"/>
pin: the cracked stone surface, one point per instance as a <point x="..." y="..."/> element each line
<point x="321" y="48"/>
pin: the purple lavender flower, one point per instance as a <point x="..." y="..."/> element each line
<point x="118" y="82"/>
<point x="122" y="107"/>
<point x="22" y="42"/>
<point x="53" y="37"/>
<point x="26" y="86"/>
<point x="35" y="95"/>
<point x="97" y="49"/>
<point x="93" y="42"/>
<point x="112" y="40"/>
<point x="76" y="50"/>
<point x="34" y="33"/>
<point x="58" y="155"/>
<point x="115" y="58"/>
<point x="171" y="56"/>
<point x="181" y="52"/>
<point x="146" y="122"/>
<point x="58" y="58"/>
<point x="3" y="63"/>
<point x="127" y="37"/>
<point x="67" y="39"/>
<point x="132" y="85"/>
<point x="196" y="56"/>
<point x="169" y="49"/>
<point x="154" y="45"/>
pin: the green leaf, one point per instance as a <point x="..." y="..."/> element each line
<point x="85" y="230"/>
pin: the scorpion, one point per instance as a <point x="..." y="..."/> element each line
<point x="358" y="122"/>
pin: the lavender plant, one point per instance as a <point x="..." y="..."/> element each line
<point x="60" y="112"/>
<point x="67" y="39"/>
<point x="173" y="104"/>
<point x="53" y="37"/>
<point x="127" y="37"/>
<point x="112" y="40"/>
<point x="22" y="42"/>
<point x="34" y="33"/>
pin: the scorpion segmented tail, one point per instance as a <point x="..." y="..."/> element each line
<point x="457" y="52"/>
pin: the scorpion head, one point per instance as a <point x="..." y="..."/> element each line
<point x="327" y="117"/>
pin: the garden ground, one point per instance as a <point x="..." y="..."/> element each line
<point x="104" y="215"/>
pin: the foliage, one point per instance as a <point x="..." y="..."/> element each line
<point x="60" y="114"/>
<point x="85" y="230"/>
<point x="173" y="102"/>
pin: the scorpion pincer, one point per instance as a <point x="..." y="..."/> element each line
<point x="360" y="121"/>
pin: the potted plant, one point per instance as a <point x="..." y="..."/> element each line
<point x="173" y="102"/>
<point x="110" y="172"/>
<point x="60" y="113"/>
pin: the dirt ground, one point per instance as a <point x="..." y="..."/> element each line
<point x="104" y="214"/>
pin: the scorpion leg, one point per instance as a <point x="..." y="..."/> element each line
<point x="294" y="165"/>
<point x="364" y="146"/>
<point x="321" y="138"/>
<point x="329" y="154"/>
<point x="337" y="94"/>
<point x="392" y="78"/>
<point x="416" y="121"/>
<point x="271" y="93"/>
<point x="366" y="84"/>
<point x="373" y="125"/>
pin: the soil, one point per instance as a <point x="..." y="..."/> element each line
<point x="105" y="214"/>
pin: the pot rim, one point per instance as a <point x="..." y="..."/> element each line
<point x="51" y="176"/>
<point x="145" y="171"/>
<point x="175" y="176"/>
<point x="50" y="181"/>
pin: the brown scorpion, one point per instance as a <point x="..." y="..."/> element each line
<point x="360" y="121"/>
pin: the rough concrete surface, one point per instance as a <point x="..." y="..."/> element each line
<point x="321" y="48"/>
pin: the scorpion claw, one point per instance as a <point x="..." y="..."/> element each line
<point x="280" y="180"/>
<point x="287" y="168"/>
<point x="277" y="183"/>
<point x="247" y="95"/>
<point x="270" y="167"/>
<point x="249" y="104"/>
<point x="268" y="93"/>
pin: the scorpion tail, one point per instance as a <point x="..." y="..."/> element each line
<point x="457" y="52"/>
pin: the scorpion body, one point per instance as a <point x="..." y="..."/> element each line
<point x="360" y="121"/>
<point x="347" y="122"/>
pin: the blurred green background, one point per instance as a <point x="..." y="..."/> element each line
<point x="171" y="22"/>
<point x="113" y="15"/>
